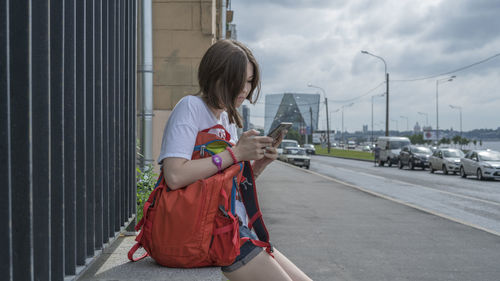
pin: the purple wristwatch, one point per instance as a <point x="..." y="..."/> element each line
<point x="217" y="160"/>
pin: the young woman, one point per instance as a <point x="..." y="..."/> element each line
<point x="228" y="74"/>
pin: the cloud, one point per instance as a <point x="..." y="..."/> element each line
<point x="297" y="42"/>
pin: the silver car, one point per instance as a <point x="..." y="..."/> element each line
<point x="296" y="156"/>
<point x="484" y="164"/>
<point x="446" y="159"/>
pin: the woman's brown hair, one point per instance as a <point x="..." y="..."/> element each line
<point x="222" y="76"/>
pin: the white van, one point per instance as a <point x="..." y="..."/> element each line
<point x="390" y="148"/>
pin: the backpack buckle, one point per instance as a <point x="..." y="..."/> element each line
<point x="202" y="150"/>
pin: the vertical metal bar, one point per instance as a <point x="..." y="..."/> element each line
<point x="5" y="181"/>
<point x="19" y="70"/>
<point x="134" y="87"/>
<point x="90" y="126"/>
<point x="126" y="94"/>
<point x="56" y="139"/>
<point x="111" y="115"/>
<point x="105" y="121"/>
<point x="123" y="94"/>
<point x="118" y="124"/>
<point x="69" y="137"/>
<point x="131" y="111"/>
<point x="40" y="88"/>
<point x="133" y="74"/>
<point x="80" y="145"/>
<point x="98" y="125"/>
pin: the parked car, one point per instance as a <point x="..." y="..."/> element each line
<point x="414" y="156"/>
<point x="446" y="159"/>
<point x="309" y="148"/>
<point x="390" y="148"/>
<point x="366" y="148"/>
<point x="484" y="164"/>
<point x="286" y="143"/>
<point x="296" y="156"/>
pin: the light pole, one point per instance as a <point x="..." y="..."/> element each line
<point x="373" y="97"/>
<point x="327" y="121"/>
<point x="342" y="108"/>
<point x="386" y="92"/>
<point x="397" y="126"/>
<point x="426" y="117"/>
<point x="443" y="80"/>
<point x="405" y="117"/>
<point x="460" y="111"/>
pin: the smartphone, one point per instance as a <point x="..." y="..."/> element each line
<point x="276" y="133"/>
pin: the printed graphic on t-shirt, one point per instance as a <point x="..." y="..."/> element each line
<point x="220" y="133"/>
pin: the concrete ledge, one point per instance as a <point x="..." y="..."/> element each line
<point x="113" y="264"/>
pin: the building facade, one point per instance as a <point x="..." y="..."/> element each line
<point x="182" y="31"/>
<point x="300" y="109"/>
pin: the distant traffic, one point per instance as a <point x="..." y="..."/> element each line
<point x="483" y="164"/>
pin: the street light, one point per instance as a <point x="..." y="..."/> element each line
<point x="426" y="118"/>
<point x="342" y="108"/>
<point x="405" y="117"/>
<point x="397" y="126"/>
<point x="460" y="111"/>
<point x="386" y="92"/>
<point x="373" y="97"/>
<point x="443" y="80"/>
<point x="327" y="121"/>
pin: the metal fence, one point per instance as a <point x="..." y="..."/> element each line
<point x="67" y="132"/>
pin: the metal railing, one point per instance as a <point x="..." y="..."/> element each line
<point x="67" y="132"/>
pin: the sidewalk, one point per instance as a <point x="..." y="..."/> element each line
<point x="336" y="232"/>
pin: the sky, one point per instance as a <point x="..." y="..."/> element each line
<point x="297" y="42"/>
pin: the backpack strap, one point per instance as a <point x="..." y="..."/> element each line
<point x="267" y="245"/>
<point x="248" y="193"/>
<point x="133" y="250"/>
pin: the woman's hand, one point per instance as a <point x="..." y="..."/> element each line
<point x="271" y="154"/>
<point x="251" y="146"/>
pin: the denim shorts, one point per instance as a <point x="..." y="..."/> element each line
<point x="248" y="251"/>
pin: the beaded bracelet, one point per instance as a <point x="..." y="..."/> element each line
<point x="235" y="161"/>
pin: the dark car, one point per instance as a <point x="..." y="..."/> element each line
<point x="414" y="156"/>
<point x="309" y="149"/>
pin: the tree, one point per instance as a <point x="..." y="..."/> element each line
<point x="294" y="135"/>
<point x="444" y="141"/>
<point x="416" y="139"/>
<point x="464" y="141"/>
<point x="474" y="142"/>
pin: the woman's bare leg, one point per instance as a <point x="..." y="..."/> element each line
<point x="261" y="267"/>
<point x="291" y="269"/>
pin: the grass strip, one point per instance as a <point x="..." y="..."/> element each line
<point x="352" y="154"/>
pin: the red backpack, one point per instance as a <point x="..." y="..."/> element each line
<point x="195" y="226"/>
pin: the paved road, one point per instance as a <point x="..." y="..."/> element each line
<point x="337" y="232"/>
<point x="469" y="201"/>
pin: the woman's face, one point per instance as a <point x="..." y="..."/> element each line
<point x="248" y="86"/>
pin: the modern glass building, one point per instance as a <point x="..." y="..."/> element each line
<point x="300" y="109"/>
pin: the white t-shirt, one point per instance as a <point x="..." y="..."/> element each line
<point x="190" y="116"/>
